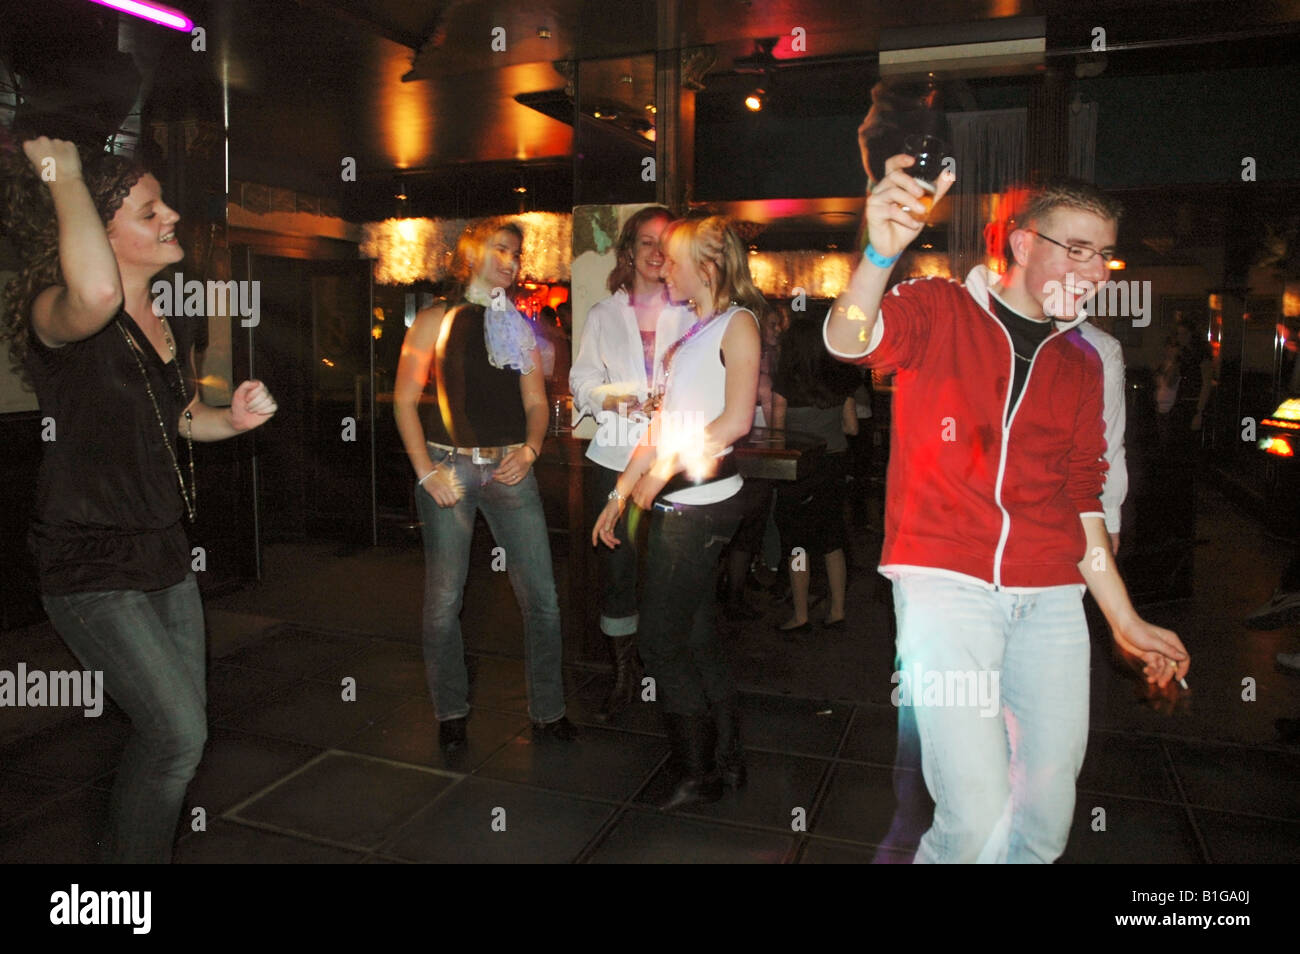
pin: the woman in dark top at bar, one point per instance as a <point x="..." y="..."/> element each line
<point x="472" y="444"/>
<point x="115" y="383"/>
<point x="813" y="393"/>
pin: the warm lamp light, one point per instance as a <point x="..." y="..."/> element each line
<point x="1291" y="300"/>
<point x="411" y="250"/>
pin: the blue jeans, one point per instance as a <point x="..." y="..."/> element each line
<point x="151" y="648"/>
<point x="1002" y="780"/>
<point x="515" y="516"/>
<point x="678" y="641"/>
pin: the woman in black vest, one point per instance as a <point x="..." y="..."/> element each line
<point x="472" y="442"/>
<point x="117" y="381"/>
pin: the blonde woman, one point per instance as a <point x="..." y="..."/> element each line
<point x="684" y="475"/>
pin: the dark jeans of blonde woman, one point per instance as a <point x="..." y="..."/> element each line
<point x="679" y="642"/>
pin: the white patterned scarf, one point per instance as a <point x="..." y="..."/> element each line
<point x="507" y="335"/>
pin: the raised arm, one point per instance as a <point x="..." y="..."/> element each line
<point x="92" y="289"/>
<point x="853" y="316"/>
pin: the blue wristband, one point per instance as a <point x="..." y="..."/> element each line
<point x="878" y="260"/>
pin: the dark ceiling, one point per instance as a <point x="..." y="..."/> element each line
<point x="416" y="93"/>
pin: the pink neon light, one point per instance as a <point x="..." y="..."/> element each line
<point x="153" y="12"/>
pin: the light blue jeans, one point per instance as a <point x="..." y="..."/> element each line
<point x="515" y="517"/>
<point x="1002" y="782"/>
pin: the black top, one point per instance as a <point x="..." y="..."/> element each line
<point x="836" y="383"/>
<point x="476" y="405"/>
<point x="1190" y="359"/>
<point x="108" y="505"/>
<point x="1026" y="336"/>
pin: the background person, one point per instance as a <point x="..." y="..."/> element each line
<point x="619" y="368"/>
<point x="813" y="393"/>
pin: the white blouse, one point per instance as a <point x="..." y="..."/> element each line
<point x="610" y="360"/>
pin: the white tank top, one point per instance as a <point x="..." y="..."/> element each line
<point x="695" y="396"/>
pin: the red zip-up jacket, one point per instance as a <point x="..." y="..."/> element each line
<point x="976" y="488"/>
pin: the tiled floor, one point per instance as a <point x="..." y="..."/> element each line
<point x="295" y="772"/>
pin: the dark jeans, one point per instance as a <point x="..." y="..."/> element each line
<point x="678" y="642"/>
<point x="861" y="454"/>
<point x="810" y="512"/>
<point x="151" y="648"/>
<point x="618" y="615"/>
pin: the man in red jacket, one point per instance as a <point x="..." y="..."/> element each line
<point x="993" y="523"/>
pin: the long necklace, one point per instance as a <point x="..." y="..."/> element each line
<point x="191" y="497"/>
<point x="677" y="345"/>
<point x="656" y="400"/>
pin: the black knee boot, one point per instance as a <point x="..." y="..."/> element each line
<point x="627" y="677"/>
<point x="731" y="757"/>
<point x="693" y="739"/>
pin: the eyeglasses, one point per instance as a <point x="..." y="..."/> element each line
<point x="1078" y="253"/>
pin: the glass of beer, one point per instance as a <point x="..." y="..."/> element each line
<point x="928" y="153"/>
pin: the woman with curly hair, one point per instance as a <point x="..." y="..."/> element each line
<point x="118" y="382"/>
<point x="684" y="473"/>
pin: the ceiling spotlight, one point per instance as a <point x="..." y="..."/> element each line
<point x="651" y="108"/>
<point x="1117" y="265"/>
<point x="543" y="33"/>
<point x="521" y="189"/>
<point x="400" y="197"/>
<point x="754" y="101"/>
